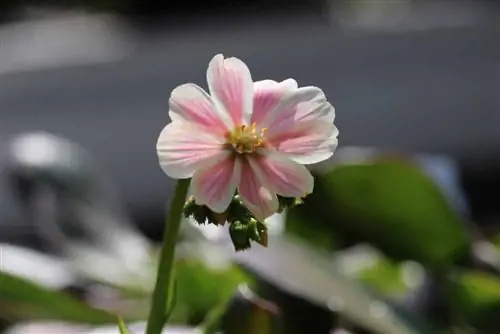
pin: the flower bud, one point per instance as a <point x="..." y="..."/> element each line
<point x="243" y="226"/>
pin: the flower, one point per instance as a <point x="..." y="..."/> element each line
<point x="250" y="137"/>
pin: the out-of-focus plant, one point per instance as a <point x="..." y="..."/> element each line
<point x="201" y="288"/>
<point x="247" y="313"/>
<point x="390" y="203"/>
<point x="122" y="326"/>
<point x="21" y="299"/>
<point x="381" y="273"/>
<point x="475" y="298"/>
<point x="311" y="292"/>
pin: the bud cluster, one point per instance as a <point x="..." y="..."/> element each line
<point x="243" y="226"/>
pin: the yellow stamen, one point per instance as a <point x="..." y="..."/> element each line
<point x="246" y="138"/>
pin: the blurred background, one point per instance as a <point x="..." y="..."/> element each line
<point x="84" y="89"/>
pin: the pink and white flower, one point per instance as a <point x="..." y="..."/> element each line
<point x="253" y="137"/>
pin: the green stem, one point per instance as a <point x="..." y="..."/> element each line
<point x="162" y="291"/>
<point x="122" y="327"/>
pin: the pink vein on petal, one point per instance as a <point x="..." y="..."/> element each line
<point x="183" y="147"/>
<point x="215" y="184"/>
<point x="231" y="85"/>
<point x="191" y="103"/>
<point x="281" y="175"/>
<point x="307" y="143"/>
<point x="256" y="197"/>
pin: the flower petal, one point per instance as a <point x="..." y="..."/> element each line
<point x="191" y="103"/>
<point x="302" y="105"/>
<point x="183" y="147"/>
<point x="256" y="197"/>
<point x="267" y="96"/>
<point x="281" y="175"/>
<point x="231" y="87"/>
<point x="308" y="143"/>
<point x="215" y="185"/>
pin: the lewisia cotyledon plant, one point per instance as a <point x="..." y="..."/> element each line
<point x="253" y="137"/>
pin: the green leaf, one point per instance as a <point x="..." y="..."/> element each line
<point x="297" y="270"/>
<point x="475" y="297"/>
<point x="385" y="277"/>
<point x="319" y="236"/>
<point x="496" y="241"/>
<point x="392" y="205"/>
<point x="23" y="300"/>
<point x="201" y="288"/>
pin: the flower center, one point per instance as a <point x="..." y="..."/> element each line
<point x="246" y="138"/>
